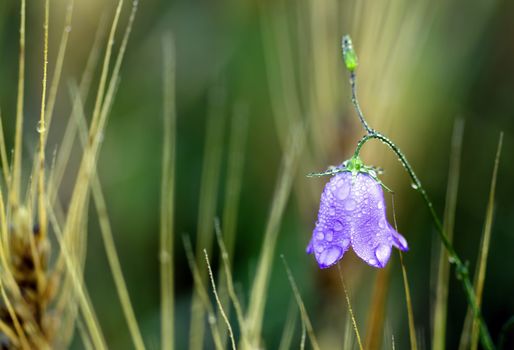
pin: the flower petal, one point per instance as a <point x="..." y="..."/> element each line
<point x="372" y="236"/>
<point x="352" y="210"/>
<point x="331" y="236"/>
<point x="399" y="241"/>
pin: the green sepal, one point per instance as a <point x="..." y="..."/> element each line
<point x="355" y="166"/>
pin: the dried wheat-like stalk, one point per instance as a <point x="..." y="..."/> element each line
<point x="44" y="298"/>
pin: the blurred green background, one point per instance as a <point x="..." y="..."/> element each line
<point x="422" y="65"/>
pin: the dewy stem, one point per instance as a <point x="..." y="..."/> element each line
<point x="462" y="272"/>
<point x="355" y="101"/>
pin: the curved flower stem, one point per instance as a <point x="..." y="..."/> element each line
<point x="355" y="101"/>
<point x="461" y="268"/>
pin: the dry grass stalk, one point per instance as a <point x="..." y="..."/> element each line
<point x="34" y="302"/>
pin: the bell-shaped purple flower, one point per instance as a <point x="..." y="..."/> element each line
<point x="352" y="212"/>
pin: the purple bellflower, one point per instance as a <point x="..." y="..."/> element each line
<point x="352" y="212"/>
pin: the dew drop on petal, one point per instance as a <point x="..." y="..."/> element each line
<point x="338" y="226"/>
<point x="332" y="211"/>
<point x="329" y="236"/>
<point x="343" y="191"/>
<point x="349" y="204"/>
<point x="372" y="261"/>
<point x="383" y="253"/>
<point x="382" y="223"/>
<point x="330" y="256"/>
<point x="320" y="248"/>
<point x="345" y="242"/>
<point x="380" y="205"/>
<point x="320" y="235"/>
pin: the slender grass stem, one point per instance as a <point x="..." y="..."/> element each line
<point x="350" y="310"/>
<point x="16" y="171"/>
<point x="218" y="301"/>
<point x="166" y="256"/>
<point x="42" y="130"/>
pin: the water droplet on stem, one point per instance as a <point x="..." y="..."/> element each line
<point x="41" y="127"/>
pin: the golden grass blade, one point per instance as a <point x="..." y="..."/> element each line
<point x="239" y="128"/>
<point x="207" y="207"/>
<point x="68" y="139"/>
<point x="350" y="310"/>
<point x="303" y="312"/>
<point x="108" y="240"/>
<point x="9" y="333"/>
<point x="114" y="264"/>
<point x="284" y="94"/>
<point x="303" y="337"/>
<point x="230" y="285"/>
<point x="4" y="248"/>
<point x="41" y="129"/>
<point x="234" y="180"/>
<point x="16" y="171"/>
<point x="56" y="78"/>
<point x="484" y="246"/>
<point x="348" y="329"/>
<point x="282" y="190"/>
<point x="76" y="219"/>
<point x="84" y="336"/>
<point x="105" y="69"/>
<point x="202" y="292"/>
<point x="3" y="154"/>
<point x="115" y="76"/>
<point x="19" y="330"/>
<point x="289" y="328"/>
<point x="377" y="310"/>
<point x="167" y="195"/>
<point x="220" y="306"/>
<point x="441" y="298"/>
<point x="408" y="302"/>
<point x="79" y="287"/>
<point x="412" y="328"/>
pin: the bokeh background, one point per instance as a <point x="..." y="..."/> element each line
<point x="276" y="65"/>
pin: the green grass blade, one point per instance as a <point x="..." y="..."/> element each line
<point x="230" y="284"/>
<point x="235" y="169"/>
<point x="289" y="328"/>
<point x="207" y="207"/>
<point x="259" y="289"/>
<point x="202" y="293"/>
<point x="484" y="245"/>
<point x="306" y="322"/>
<point x="443" y="267"/>
<point x="167" y="196"/>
